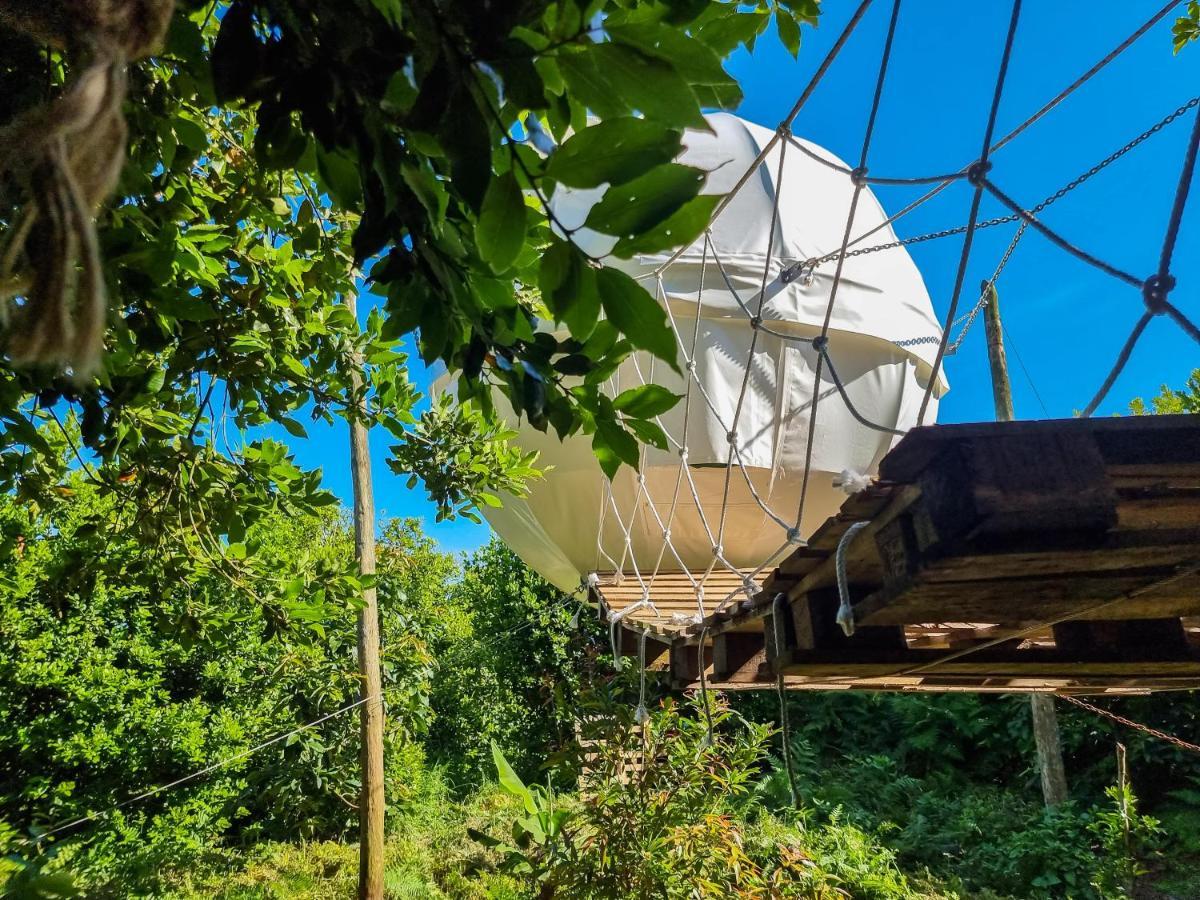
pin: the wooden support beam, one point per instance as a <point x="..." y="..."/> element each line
<point x="737" y="656"/>
<point x="686" y="660"/>
<point x="814" y="621"/>
<point x="656" y="650"/>
<point x="1143" y="638"/>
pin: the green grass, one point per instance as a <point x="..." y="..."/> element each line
<point x="428" y="852"/>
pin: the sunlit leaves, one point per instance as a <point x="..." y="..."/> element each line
<point x="569" y="288"/>
<point x="636" y="314"/>
<point x="632" y="208"/>
<point x="645" y="401"/>
<point x="500" y="231"/>
<point x="613" y="152"/>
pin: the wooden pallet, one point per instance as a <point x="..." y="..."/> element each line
<point x="1061" y="555"/>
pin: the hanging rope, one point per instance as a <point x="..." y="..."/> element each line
<point x="785" y="727"/>
<point x="845" y="613"/>
<point x="641" y="715"/>
<point x="64" y="156"/>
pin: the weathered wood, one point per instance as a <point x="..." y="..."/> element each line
<point x="814" y="619"/>
<point x="1139" y="442"/>
<point x="686" y="660"/>
<point x="1131" y="636"/>
<point x="737" y="656"/>
<point x="1038" y="598"/>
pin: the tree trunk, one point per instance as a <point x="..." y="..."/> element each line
<point x="1045" y="719"/>
<point x="371" y="798"/>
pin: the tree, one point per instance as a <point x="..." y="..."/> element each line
<point x="1169" y="400"/>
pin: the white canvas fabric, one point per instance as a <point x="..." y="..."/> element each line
<point x="574" y="522"/>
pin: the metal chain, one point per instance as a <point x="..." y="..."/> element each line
<point x="807" y="267"/>
<point x="986" y="293"/>
<point x="1136" y="726"/>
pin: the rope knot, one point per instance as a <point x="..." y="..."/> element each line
<point x="1154" y="292"/>
<point x="730" y="437"/>
<point x="858" y="176"/>
<point x="977" y="172"/>
<point x="755" y="321"/>
<point x="821" y="343"/>
<point x="793" y="536"/>
<point x="718" y="550"/>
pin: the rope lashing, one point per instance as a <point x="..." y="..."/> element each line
<point x="64" y="156"/>
<point x="845" y="613"/>
<point x="853" y="482"/>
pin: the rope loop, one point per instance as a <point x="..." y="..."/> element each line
<point x="977" y="172"/>
<point x="1154" y="292"/>
<point x="845" y="613"/>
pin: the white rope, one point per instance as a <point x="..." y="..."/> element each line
<point x="845" y="613"/>
<point x="641" y="715"/>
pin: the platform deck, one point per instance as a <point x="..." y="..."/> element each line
<point x="1059" y="555"/>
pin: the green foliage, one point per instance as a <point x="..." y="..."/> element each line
<point x="662" y="811"/>
<point x="512" y="674"/>
<point x="1169" y="400"/>
<point x="1127" y="839"/>
<point x="108" y="686"/>
<point x="1187" y="27"/>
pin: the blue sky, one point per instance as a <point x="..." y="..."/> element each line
<point x="1066" y="321"/>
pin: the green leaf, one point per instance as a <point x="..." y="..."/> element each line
<point x="613" y="445"/>
<point x="603" y="73"/>
<point x="789" y="32"/>
<point x="648" y="433"/>
<point x="724" y="33"/>
<point x="294" y="428"/>
<point x="636" y="314"/>
<point x="511" y="781"/>
<point x="629" y="209"/>
<point x="698" y="63"/>
<point x="569" y="288"/>
<point x="645" y="402"/>
<point x="500" y="231"/>
<point x="339" y="174"/>
<point x="613" y="151"/>
<point x="679" y="229"/>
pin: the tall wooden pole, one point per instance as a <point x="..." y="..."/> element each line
<point x="1045" y="719"/>
<point x="371" y="798"/>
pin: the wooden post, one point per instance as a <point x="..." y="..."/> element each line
<point x="371" y="797"/>
<point x="1045" y="719"/>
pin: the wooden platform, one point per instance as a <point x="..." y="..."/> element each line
<point x="1060" y="555"/>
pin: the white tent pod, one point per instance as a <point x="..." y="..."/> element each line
<point x="883" y="338"/>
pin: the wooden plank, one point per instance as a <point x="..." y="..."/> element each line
<point x="1037" y="598"/>
<point x="1130" y="636"/>
<point x="814" y="620"/>
<point x="737" y="657"/>
<point x="1122" y="441"/>
<point x="1056" y="553"/>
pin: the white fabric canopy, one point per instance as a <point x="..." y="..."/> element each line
<point x="682" y="512"/>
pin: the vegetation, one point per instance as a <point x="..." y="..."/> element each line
<point x="175" y="590"/>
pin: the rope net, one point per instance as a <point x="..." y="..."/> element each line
<point x="635" y="539"/>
